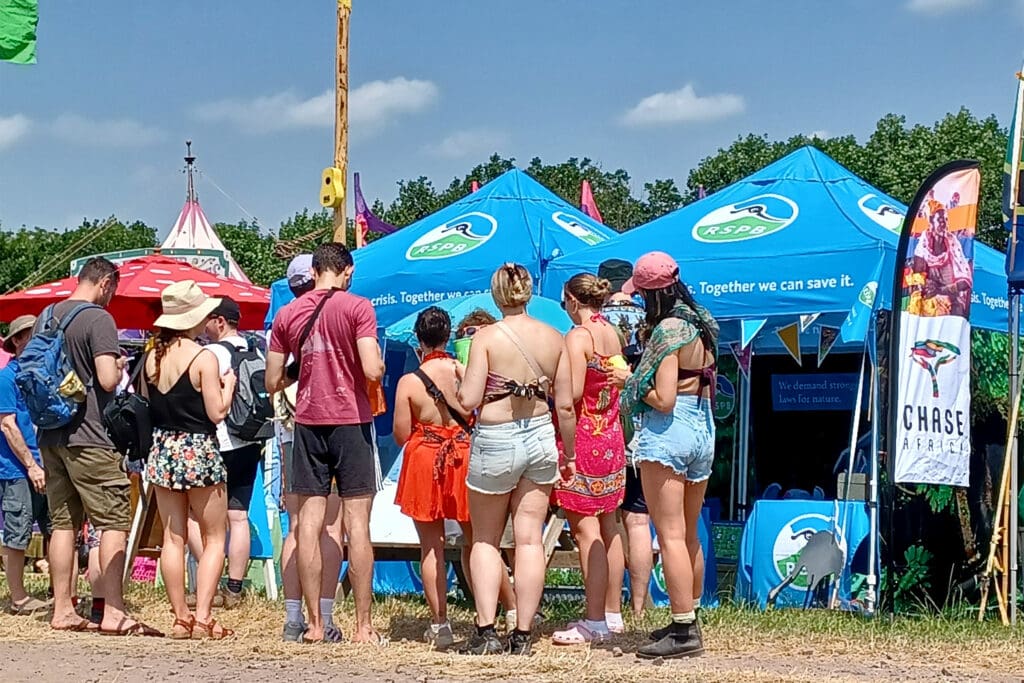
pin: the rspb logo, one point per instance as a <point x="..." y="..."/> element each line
<point x="758" y="216"/>
<point x="458" y="236"/>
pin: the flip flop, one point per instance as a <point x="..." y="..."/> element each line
<point x="136" y="629"/>
<point x="382" y="641"/>
<point x="332" y="636"/>
<point x="29" y="607"/>
<point x="81" y="627"/>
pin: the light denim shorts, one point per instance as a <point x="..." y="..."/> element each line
<point x="683" y="440"/>
<point x="503" y="454"/>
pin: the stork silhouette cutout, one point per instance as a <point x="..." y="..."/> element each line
<point x="821" y="557"/>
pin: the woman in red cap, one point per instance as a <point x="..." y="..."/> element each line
<point x="672" y="390"/>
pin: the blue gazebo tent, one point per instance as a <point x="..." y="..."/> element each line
<point x="801" y="236"/>
<point x="454" y="251"/>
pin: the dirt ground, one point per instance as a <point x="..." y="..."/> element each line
<point x="70" y="657"/>
<point x="742" y="645"/>
<point x="90" y="658"/>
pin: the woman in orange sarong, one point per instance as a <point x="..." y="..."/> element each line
<point x="432" y="483"/>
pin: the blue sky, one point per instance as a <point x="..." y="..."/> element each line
<point x="652" y="86"/>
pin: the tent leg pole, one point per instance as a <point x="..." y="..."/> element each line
<point x="1014" y="452"/>
<point x="744" y="447"/>
<point x="876" y="416"/>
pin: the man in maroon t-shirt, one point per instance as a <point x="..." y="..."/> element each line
<point x="336" y="355"/>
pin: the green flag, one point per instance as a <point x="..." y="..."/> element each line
<point x="18" y="19"/>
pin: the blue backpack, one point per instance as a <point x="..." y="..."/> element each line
<point x="52" y="389"/>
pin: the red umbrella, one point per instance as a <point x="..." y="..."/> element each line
<point x="137" y="301"/>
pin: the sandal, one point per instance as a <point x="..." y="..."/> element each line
<point x="211" y="631"/>
<point x="28" y="607"/>
<point x="578" y="634"/>
<point x="79" y="627"/>
<point x="136" y="629"/>
<point x="182" y="630"/>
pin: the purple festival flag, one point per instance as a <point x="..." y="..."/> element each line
<point x="366" y="221"/>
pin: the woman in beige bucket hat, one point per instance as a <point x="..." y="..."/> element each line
<point x="188" y="397"/>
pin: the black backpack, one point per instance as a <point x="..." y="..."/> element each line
<point x="251" y="416"/>
<point x="128" y="421"/>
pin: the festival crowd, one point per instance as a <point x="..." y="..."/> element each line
<point x="611" y="423"/>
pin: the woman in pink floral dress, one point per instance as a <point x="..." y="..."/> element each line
<point x="591" y="499"/>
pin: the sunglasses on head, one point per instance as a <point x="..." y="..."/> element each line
<point x="468" y="332"/>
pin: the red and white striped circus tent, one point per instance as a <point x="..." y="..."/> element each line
<point x="193" y="230"/>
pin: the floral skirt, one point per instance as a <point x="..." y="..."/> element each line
<point x="183" y="460"/>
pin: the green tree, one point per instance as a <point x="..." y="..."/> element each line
<point x="31" y="256"/>
<point x="612" y="191"/>
<point x="896" y="158"/>
<point x="253" y="249"/>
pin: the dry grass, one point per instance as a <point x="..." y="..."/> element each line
<point x="742" y="645"/>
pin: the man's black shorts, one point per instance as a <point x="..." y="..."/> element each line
<point x="241" y="465"/>
<point x="633" y="501"/>
<point x="341" y="454"/>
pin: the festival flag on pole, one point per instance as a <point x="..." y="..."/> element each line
<point x="1013" y="206"/>
<point x="474" y="186"/>
<point x="587" y="203"/>
<point x="743" y="356"/>
<point x="18" y="22"/>
<point x="790" y="338"/>
<point x="366" y="221"/>
<point x="855" y="327"/>
<point x="930" y="351"/>
<point x="808" y="320"/>
<point x="701" y="193"/>
<point x="749" y="330"/>
<point x="827" y="338"/>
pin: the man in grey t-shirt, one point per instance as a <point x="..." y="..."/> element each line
<point x="84" y="474"/>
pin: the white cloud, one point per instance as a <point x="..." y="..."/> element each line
<point x="370" y="105"/>
<point x="79" y="130"/>
<point x="682" y="106"/>
<point x="467" y="143"/>
<point x="13" y="128"/>
<point x="381" y="101"/>
<point x="936" y="7"/>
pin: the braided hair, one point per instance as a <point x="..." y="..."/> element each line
<point x="161" y="345"/>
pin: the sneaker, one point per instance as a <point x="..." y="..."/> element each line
<point x="485" y="643"/>
<point x="293" y="632"/>
<point x="519" y="643"/>
<point x="683" y="640"/>
<point x="333" y="634"/>
<point x="230" y="598"/>
<point x="441" y="639"/>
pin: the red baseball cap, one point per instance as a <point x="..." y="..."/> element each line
<point x="653" y="270"/>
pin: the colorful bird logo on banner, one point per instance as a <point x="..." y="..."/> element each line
<point x="932" y="354"/>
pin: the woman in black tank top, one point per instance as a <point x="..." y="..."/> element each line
<point x="188" y="397"/>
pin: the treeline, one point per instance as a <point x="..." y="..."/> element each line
<point x="896" y="158"/>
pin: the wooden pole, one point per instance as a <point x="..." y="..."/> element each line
<point x="341" y="109"/>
